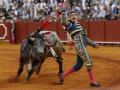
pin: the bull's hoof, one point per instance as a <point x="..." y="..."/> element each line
<point x="60" y="78"/>
<point x="95" y="85"/>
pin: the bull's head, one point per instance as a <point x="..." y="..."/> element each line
<point x="39" y="46"/>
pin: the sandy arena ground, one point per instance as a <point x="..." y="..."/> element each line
<point x="106" y="62"/>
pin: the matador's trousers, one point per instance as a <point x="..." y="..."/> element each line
<point x="82" y="53"/>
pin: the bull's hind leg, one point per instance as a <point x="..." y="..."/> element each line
<point x="59" y="61"/>
<point x="60" y="72"/>
<point x="39" y="67"/>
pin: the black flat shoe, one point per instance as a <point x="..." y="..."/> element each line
<point x="95" y="85"/>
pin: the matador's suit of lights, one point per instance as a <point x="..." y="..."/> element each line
<point x="80" y="40"/>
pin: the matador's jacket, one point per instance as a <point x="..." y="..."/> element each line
<point x="80" y="40"/>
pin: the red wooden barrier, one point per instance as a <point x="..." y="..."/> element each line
<point x="85" y="24"/>
<point x="61" y="32"/>
<point x="20" y="31"/>
<point x="112" y="31"/>
<point x="96" y="30"/>
<point x="32" y="26"/>
<point x="51" y="27"/>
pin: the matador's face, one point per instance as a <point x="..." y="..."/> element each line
<point x="73" y="17"/>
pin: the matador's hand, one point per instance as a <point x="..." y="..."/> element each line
<point x="97" y="46"/>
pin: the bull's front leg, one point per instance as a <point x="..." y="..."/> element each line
<point x="20" y="70"/>
<point x="29" y="70"/>
<point x="32" y="66"/>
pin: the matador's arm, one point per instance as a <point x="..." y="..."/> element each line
<point x="65" y="20"/>
<point x="89" y="41"/>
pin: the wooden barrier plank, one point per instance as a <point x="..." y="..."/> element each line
<point x="85" y="23"/>
<point x="51" y="27"/>
<point x="96" y="30"/>
<point x="61" y="32"/>
<point x="112" y="31"/>
<point x="108" y="31"/>
<point x="20" y="31"/>
<point x="32" y="26"/>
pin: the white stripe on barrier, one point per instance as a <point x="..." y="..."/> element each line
<point x="100" y="42"/>
<point x="108" y="42"/>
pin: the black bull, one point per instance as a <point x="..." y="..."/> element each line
<point x="33" y="54"/>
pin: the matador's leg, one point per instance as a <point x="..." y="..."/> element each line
<point x="83" y="53"/>
<point x="81" y="50"/>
